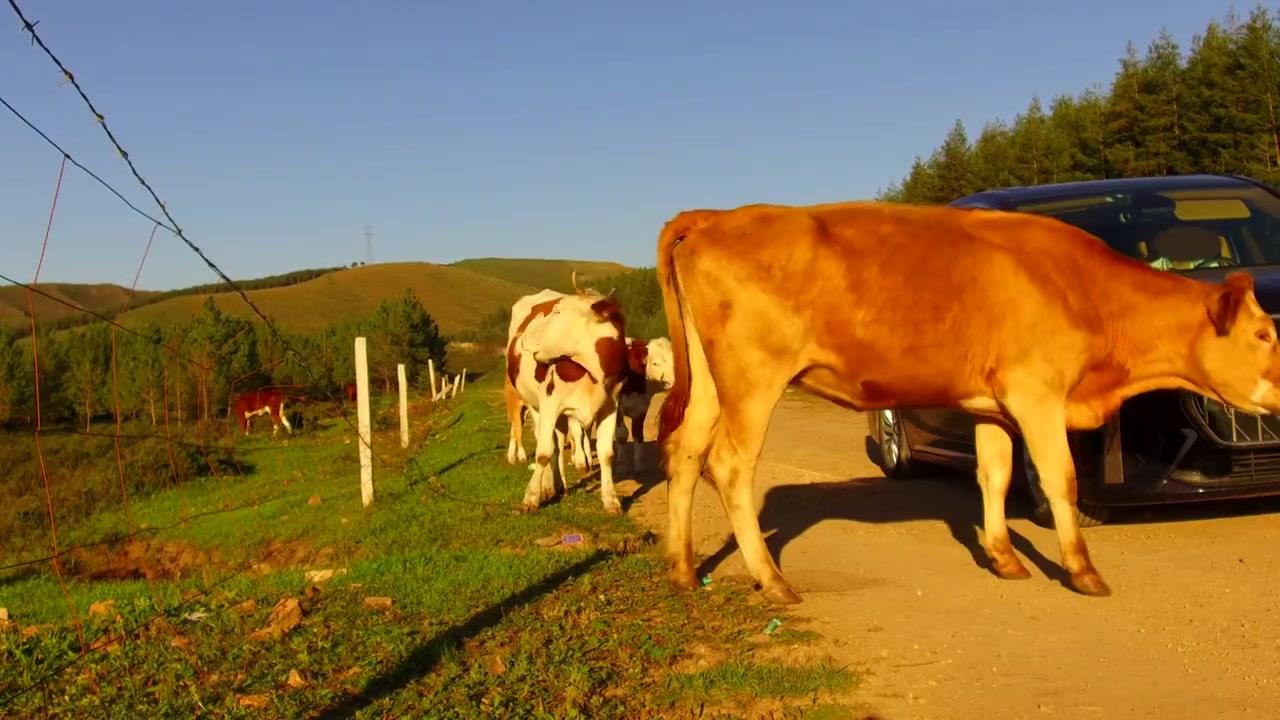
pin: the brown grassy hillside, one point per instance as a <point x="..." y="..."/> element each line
<point x="554" y="274"/>
<point x="456" y="298"/>
<point x="103" y="299"/>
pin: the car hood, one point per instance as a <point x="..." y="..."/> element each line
<point x="1266" y="282"/>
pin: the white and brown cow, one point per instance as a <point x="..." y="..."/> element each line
<point x="262" y="402"/>
<point x="655" y="358"/>
<point x="589" y="328"/>
<point x="520" y="310"/>
<point x="650" y="370"/>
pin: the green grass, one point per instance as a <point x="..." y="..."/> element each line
<point x="483" y="620"/>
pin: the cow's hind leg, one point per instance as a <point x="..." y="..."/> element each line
<point x="684" y="451"/>
<point x="515" y="417"/>
<point x="1043" y="423"/>
<point x="735" y="450"/>
<point x="994" y="449"/>
<point x="579" y="442"/>
<point x="562" y="482"/>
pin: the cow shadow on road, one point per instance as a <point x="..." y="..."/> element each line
<point x="789" y="511"/>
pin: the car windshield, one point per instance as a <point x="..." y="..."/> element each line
<point x="1178" y="229"/>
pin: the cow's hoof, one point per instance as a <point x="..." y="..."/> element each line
<point x="781" y="595"/>
<point x="615" y="509"/>
<point x="529" y="505"/>
<point x="580" y="469"/>
<point x="1090" y="583"/>
<point x="683" y="579"/>
<point x="1010" y="569"/>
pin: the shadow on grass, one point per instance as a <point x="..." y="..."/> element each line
<point x="428" y="473"/>
<point x="423" y="659"/>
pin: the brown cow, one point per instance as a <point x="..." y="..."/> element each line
<point x="1031" y="325"/>
<point x="262" y="402"/>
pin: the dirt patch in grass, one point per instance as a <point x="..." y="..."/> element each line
<point x="154" y="559"/>
<point x="292" y="554"/>
<point x="140" y="559"/>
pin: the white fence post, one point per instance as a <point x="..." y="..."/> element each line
<point x="404" y="406"/>
<point x="464" y="380"/>
<point x="362" y="421"/>
<point x="431" y="375"/>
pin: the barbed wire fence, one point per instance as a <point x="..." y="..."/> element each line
<point x="167" y="397"/>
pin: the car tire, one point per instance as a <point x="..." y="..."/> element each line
<point x="892" y="453"/>
<point x="1087" y="514"/>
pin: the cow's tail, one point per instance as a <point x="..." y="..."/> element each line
<point x="675" y="231"/>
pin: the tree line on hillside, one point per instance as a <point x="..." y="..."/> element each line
<point x="262" y="283"/>
<point x="1214" y="110"/>
<point x="193" y="370"/>
<point x="637" y="290"/>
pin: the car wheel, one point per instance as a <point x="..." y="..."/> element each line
<point x="1087" y="514"/>
<point x="894" y="455"/>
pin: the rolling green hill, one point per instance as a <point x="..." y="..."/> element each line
<point x="457" y="295"/>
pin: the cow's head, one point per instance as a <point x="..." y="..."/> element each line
<point x="660" y="364"/>
<point x="1238" y="349"/>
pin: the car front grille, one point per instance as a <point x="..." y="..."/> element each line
<point x="1228" y="427"/>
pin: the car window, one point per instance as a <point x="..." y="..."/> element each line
<point x="1178" y="230"/>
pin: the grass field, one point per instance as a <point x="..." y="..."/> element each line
<point x="451" y="603"/>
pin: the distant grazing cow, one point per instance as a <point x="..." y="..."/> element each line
<point x="1030" y="324"/>
<point x="350" y="389"/>
<point x="262" y="402"/>
<point x="584" y="340"/>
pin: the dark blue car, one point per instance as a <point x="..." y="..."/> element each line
<point x="1163" y="446"/>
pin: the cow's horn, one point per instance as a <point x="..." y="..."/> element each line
<point x="574" y="279"/>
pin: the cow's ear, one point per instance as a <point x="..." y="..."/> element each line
<point x="1227" y="299"/>
<point x="606" y="308"/>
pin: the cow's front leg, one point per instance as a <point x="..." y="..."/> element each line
<point x="604" y="453"/>
<point x="542" y="484"/>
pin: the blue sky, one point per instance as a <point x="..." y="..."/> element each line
<point x="562" y="128"/>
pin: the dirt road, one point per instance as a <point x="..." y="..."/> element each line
<point x="889" y="574"/>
